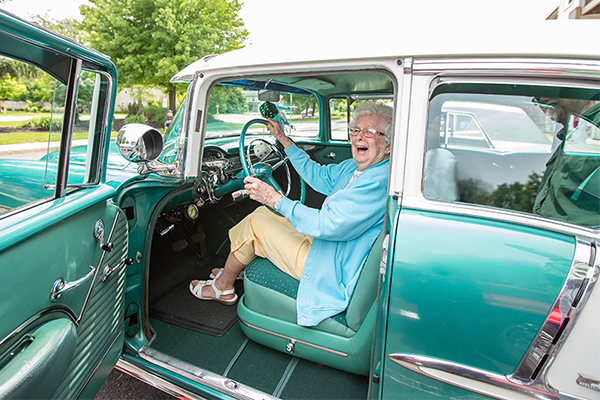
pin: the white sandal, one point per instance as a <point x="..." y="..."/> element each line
<point x="197" y="291"/>
<point x="240" y="277"/>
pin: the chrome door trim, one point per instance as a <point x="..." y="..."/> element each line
<point x="294" y="340"/>
<point x="195" y="374"/>
<point x="155" y="381"/>
<point x="472" y="379"/>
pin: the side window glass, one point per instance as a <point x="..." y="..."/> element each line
<point x="88" y="124"/>
<point x="33" y="108"/>
<point x="523" y="148"/>
<point x="31" y="125"/>
<point x="341" y="109"/>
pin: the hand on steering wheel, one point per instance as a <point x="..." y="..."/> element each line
<point x="261" y="191"/>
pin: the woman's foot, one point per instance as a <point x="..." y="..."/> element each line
<point x="210" y="290"/>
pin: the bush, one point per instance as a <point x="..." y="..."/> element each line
<point x="136" y="119"/>
<point x="154" y="113"/>
<point x="43" y="123"/>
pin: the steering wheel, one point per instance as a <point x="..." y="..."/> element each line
<point x="263" y="170"/>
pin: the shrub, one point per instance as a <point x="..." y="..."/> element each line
<point x="135" y="119"/>
<point x="154" y="113"/>
<point x="44" y="123"/>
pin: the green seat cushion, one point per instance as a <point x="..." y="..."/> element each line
<point x="263" y="273"/>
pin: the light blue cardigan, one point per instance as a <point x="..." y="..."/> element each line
<point x="343" y="230"/>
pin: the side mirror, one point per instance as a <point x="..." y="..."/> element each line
<point x="139" y="143"/>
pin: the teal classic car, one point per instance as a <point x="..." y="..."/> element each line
<point x="482" y="283"/>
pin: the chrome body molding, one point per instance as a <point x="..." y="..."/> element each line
<point x="473" y="379"/>
<point x="503" y="215"/>
<point x="530" y="377"/>
<point x="191" y="372"/>
<point x="295" y="341"/>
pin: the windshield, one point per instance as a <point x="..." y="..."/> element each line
<point x="232" y="105"/>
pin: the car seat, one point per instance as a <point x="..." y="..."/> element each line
<point x="267" y="311"/>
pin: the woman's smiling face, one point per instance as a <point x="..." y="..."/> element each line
<point x="367" y="152"/>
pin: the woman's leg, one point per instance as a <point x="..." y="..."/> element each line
<point x="263" y="234"/>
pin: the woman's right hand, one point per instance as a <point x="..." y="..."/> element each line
<point x="276" y="130"/>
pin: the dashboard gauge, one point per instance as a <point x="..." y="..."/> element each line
<point x="200" y="202"/>
<point x="191" y="211"/>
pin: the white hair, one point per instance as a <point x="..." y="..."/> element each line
<point x="384" y="113"/>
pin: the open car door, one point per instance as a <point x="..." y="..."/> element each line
<point x="63" y="243"/>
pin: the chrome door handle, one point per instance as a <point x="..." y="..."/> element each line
<point x="330" y="156"/>
<point x="61" y="286"/>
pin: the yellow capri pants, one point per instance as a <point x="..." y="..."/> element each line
<point x="265" y="234"/>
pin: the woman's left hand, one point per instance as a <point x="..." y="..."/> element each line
<point x="261" y="191"/>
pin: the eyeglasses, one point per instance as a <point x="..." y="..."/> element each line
<point x="367" y="132"/>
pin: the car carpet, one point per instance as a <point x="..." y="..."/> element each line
<point x="180" y="307"/>
<point x="263" y="368"/>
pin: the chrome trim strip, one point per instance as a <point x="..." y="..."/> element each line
<point x="291" y="339"/>
<point x="155" y="381"/>
<point x="498" y="214"/>
<point x="89" y="293"/>
<point x="499" y="66"/>
<point x="201" y="376"/>
<point x="472" y="379"/>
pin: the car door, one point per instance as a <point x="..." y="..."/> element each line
<point x="63" y="242"/>
<point x="488" y="288"/>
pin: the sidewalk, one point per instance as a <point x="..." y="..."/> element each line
<point x="8" y="149"/>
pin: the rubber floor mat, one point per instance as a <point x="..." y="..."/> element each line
<point x="181" y="308"/>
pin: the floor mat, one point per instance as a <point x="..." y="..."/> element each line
<point x="181" y="308"/>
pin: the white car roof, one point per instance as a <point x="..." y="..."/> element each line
<point x="572" y="39"/>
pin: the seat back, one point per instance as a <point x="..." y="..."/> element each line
<point x="365" y="292"/>
<point x="439" y="180"/>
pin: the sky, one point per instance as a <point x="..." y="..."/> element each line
<point x="271" y="20"/>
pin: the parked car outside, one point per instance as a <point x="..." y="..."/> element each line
<point x="482" y="283"/>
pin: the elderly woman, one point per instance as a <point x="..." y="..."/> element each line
<point x="323" y="248"/>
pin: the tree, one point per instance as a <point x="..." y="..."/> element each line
<point x="66" y="27"/>
<point x="12" y="89"/>
<point x="151" y="40"/>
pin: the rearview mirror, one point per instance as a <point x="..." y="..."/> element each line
<point x="269" y="95"/>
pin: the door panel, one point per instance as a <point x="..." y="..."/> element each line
<point x="36" y="362"/>
<point x="469" y="292"/>
<point x="40" y="248"/>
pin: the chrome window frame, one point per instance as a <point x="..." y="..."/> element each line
<point x="429" y="74"/>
